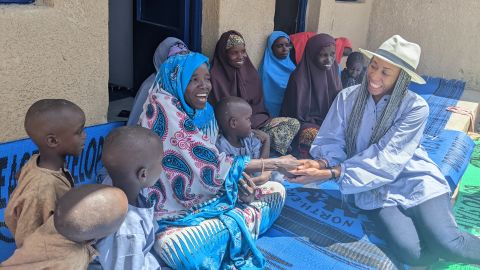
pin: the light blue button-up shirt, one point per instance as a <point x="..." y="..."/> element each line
<point x="394" y="171"/>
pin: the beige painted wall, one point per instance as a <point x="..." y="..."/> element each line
<point x="352" y="20"/>
<point x="252" y="18"/>
<point x="313" y="15"/>
<point x="59" y="50"/>
<point x="340" y="19"/>
<point x="446" y="30"/>
<point x="210" y="26"/>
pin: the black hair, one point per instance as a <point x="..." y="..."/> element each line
<point x="223" y="110"/>
<point x="355" y="57"/>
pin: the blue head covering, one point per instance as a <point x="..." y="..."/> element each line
<point x="174" y="76"/>
<point x="274" y="74"/>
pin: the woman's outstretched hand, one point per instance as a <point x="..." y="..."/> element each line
<point x="309" y="163"/>
<point x="309" y="175"/>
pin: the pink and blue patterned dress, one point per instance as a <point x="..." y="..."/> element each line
<point x="202" y="224"/>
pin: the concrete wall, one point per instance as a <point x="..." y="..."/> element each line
<point x="313" y="15"/>
<point x="252" y="18"/>
<point x="340" y="19"/>
<point x="210" y="26"/>
<point x="446" y="30"/>
<point x="352" y="20"/>
<point x="55" y="50"/>
<point x="120" y="49"/>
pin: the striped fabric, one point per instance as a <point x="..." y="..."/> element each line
<point x="204" y="246"/>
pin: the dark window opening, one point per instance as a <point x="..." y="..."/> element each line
<point x="290" y="16"/>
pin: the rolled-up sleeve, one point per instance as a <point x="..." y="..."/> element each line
<point x="330" y="141"/>
<point x="382" y="162"/>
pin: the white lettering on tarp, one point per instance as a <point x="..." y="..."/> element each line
<point x="315" y="203"/>
<point x="13" y="155"/>
<point x="83" y="168"/>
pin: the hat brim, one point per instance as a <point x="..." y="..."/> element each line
<point x="415" y="77"/>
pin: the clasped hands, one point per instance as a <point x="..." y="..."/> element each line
<point x="302" y="171"/>
<point x="310" y="171"/>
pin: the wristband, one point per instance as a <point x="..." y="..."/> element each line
<point x="333" y="173"/>
<point x="324" y="162"/>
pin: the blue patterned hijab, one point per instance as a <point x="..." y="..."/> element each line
<point x="174" y="76"/>
<point x="274" y="74"/>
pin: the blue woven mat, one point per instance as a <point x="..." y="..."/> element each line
<point x="426" y="90"/>
<point x="315" y="231"/>
<point x="451" y="151"/>
<point x="439" y="94"/>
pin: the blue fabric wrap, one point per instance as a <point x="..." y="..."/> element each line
<point x="274" y="74"/>
<point x="241" y="242"/>
<point x="174" y="76"/>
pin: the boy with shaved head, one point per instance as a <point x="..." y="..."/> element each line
<point x="64" y="241"/>
<point x="237" y="138"/>
<point x="56" y="126"/>
<point x="133" y="159"/>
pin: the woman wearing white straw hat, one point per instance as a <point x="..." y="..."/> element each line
<point x="369" y="143"/>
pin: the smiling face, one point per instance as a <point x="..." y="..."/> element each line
<point x="381" y="77"/>
<point x="281" y="48"/>
<point x="237" y="55"/>
<point x="326" y="56"/>
<point x="198" y="88"/>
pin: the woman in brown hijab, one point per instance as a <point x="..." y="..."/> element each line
<point x="312" y="87"/>
<point x="233" y="74"/>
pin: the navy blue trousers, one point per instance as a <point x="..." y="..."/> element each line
<point x="420" y="235"/>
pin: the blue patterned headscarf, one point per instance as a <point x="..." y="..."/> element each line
<point x="274" y="74"/>
<point x="174" y="76"/>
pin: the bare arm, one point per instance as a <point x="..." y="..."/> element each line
<point x="272" y="164"/>
<point x="265" y="139"/>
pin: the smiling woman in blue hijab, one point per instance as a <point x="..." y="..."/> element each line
<point x="275" y="71"/>
<point x="199" y="186"/>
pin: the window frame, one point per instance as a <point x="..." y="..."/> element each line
<point x="22" y="2"/>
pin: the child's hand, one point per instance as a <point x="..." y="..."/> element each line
<point x="246" y="189"/>
<point x="262" y="136"/>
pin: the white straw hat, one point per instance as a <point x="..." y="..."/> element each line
<point x="401" y="53"/>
